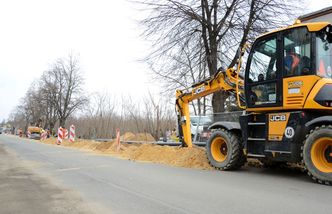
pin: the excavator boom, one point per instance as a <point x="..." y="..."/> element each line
<point x="228" y="80"/>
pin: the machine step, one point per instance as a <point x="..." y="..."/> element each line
<point x="281" y="152"/>
<point x="256" y="124"/>
<point x="255" y="155"/>
<point x="256" y="139"/>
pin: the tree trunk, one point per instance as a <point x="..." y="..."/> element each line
<point x="218" y="102"/>
<point x="204" y="106"/>
<point x="62" y="122"/>
<point x="51" y="126"/>
<point x="199" y="106"/>
<point x="218" y="98"/>
<point x="158" y="124"/>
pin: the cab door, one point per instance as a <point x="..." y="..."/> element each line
<point x="263" y="86"/>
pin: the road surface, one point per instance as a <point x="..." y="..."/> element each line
<point x="66" y="180"/>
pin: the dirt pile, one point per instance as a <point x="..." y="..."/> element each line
<point x="140" y="137"/>
<point x="174" y="156"/>
<point x="79" y="144"/>
<point x="169" y="155"/>
<point x="127" y="136"/>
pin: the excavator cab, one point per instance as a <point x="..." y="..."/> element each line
<point x="288" y="89"/>
<point x="284" y="66"/>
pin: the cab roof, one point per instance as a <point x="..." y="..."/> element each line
<point x="312" y="27"/>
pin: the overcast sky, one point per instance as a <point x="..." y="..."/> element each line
<point x="104" y="33"/>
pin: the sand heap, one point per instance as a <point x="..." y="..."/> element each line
<point x="169" y="155"/>
<point x="174" y="156"/>
<point x="140" y="137"/>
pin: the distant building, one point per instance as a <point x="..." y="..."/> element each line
<point x="323" y="15"/>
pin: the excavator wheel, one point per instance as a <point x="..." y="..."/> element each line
<point x="224" y="150"/>
<point x="317" y="154"/>
<point x="241" y="161"/>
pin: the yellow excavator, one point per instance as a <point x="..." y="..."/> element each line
<point x="287" y="96"/>
<point x="35" y="132"/>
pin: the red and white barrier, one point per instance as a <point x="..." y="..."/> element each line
<point x="43" y="135"/>
<point x="72" y="134"/>
<point x="118" y="139"/>
<point x="65" y="133"/>
<point x="60" y="135"/>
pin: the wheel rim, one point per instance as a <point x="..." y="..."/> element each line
<point x="319" y="154"/>
<point x="219" y="149"/>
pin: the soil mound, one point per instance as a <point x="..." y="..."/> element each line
<point x="140" y="137"/>
<point x="169" y="155"/>
<point x="174" y="156"/>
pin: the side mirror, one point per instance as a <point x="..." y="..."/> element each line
<point x="260" y="77"/>
<point x="238" y="52"/>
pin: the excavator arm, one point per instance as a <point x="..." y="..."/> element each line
<point x="228" y="80"/>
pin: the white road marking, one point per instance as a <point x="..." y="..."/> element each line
<point x="78" y="168"/>
<point x="68" y="169"/>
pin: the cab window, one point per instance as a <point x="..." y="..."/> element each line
<point x="262" y="77"/>
<point x="297" y="52"/>
<point x="324" y="52"/>
<point x="263" y="62"/>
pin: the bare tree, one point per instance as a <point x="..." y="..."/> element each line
<point x="63" y="88"/>
<point x="33" y="108"/>
<point x="212" y="31"/>
<point x="47" y="98"/>
<point x="102" y="112"/>
<point x="105" y="114"/>
<point x="19" y="117"/>
<point x="30" y="110"/>
<point x="54" y="97"/>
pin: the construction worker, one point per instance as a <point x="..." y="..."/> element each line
<point x="173" y="136"/>
<point x="291" y="61"/>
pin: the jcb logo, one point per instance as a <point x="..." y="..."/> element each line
<point x="277" y="117"/>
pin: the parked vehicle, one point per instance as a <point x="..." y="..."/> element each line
<point x="199" y="127"/>
<point x="34" y="132"/>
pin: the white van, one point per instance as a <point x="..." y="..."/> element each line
<point x="198" y="124"/>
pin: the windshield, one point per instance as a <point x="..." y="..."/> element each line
<point x="203" y="120"/>
<point x="324" y="52"/>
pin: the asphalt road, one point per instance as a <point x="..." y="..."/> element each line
<point x="86" y="182"/>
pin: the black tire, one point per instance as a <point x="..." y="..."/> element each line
<point x="312" y="154"/>
<point x="242" y="160"/>
<point x="224" y="151"/>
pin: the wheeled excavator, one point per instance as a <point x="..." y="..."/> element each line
<point x="286" y="91"/>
